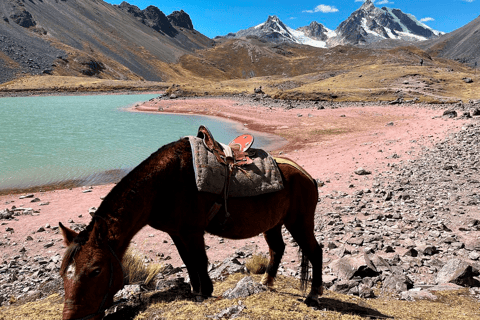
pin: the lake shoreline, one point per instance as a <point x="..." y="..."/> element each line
<point x="111" y="176"/>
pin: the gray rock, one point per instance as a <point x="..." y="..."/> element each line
<point x="244" y="288"/>
<point x="229" y="313"/>
<point x="417" y="294"/>
<point x="128" y="291"/>
<point x="355" y="266"/>
<point x="345" y="287"/>
<point x="427" y="250"/>
<point x="365" y="291"/>
<point x="396" y="283"/>
<point x="459" y="272"/>
<point x="361" y="171"/>
<point x="450" y="113"/>
<point x="49" y="244"/>
<point x="227" y="267"/>
<point x="474" y="255"/>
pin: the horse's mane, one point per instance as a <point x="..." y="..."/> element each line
<point x="83" y="236"/>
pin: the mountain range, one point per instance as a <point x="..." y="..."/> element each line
<point x="366" y="25"/>
<point x="92" y="38"/>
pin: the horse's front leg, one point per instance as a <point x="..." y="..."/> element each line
<point x="191" y="248"/>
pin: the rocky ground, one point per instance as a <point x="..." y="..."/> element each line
<point x="417" y="226"/>
<point x="415" y="230"/>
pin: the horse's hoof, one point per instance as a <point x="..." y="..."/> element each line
<point x="312" y="302"/>
<point x="267" y="280"/>
<point x="199" y="298"/>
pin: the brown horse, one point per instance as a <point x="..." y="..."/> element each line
<point x="162" y="193"/>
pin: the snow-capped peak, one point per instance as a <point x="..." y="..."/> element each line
<point x="365" y="25"/>
<point x="370" y="24"/>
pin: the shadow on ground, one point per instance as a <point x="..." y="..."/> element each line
<point x="343" y="307"/>
<point x="139" y="303"/>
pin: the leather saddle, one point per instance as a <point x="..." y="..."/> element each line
<point x="232" y="156"/>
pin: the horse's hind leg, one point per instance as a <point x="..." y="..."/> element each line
<point x="277" y="248"/>
<point x="308" y="244"/>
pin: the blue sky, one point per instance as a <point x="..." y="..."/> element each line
<point x="215" y="17"/>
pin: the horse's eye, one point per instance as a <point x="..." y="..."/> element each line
<point x="95" y="273"/>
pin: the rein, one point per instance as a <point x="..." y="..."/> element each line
<point x="110" y="283"/>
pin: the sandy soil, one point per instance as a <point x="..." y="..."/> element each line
<point x="330" y="144"/>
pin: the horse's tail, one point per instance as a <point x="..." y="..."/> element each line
<point x="304" y="272"/>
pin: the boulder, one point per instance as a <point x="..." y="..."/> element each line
<point x="459" y="272"/>
<point x="354" y="266"/>
<point x="227" y="267"/>
<point x="396" y="283"/>
<point x="450" y="113"/>
<point x="346" y="287"/>
<point x="244" y="288"/>
<point x="362" y="171"/>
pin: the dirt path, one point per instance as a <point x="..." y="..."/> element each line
<point x="330" y="144"/>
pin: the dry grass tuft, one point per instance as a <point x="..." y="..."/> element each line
<point x="135" y="269"/>
<point x="257" y="264"/>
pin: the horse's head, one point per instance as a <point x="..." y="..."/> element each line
<point x="91" y="272"/>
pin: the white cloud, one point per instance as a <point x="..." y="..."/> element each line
<point x="426" y="19"/>
<point x="468" y="0"/>
<point x="322" y="8"/>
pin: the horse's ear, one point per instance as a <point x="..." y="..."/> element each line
<point x="68" y="234"/>
<point x="100" y="230"/>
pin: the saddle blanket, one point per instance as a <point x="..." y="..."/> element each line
<point x="262" y="176"/>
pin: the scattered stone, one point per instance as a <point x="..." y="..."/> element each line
<point x="258" y="90"/>
<point x="244" y="288"/>
<point x="474" y="255"/>
<point x="361" y="171"/>
<point x="450" y="113"/>
<point x="128" y="291"/>
<point x="396" y="283"/>
<point x="229" y="313"/>
<point x="49" y="244"/>
<point x="227" y="267"/>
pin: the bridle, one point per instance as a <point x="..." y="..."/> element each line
<point x="110" y="283"/>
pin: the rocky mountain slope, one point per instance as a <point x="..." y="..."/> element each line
<point x="462" y="44"/>
<point x="92" y="37"/>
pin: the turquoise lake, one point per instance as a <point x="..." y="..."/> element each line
<point x="52" y="139"/>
